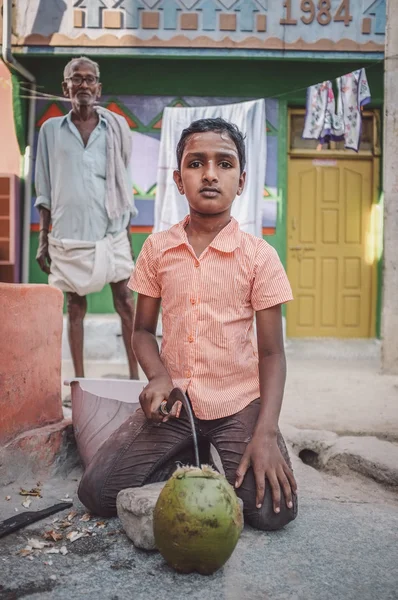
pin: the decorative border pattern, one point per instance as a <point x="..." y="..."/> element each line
<point x="181" y="41"/>
<point x="283" y="25"/>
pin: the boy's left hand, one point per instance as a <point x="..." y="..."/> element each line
<point x="265" y="458"/>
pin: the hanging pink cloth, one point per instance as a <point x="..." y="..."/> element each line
<point x="323" y="123"/>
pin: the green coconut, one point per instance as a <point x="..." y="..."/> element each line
<point x="197" y="520"/>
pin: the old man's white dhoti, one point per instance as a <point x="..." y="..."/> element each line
<point x="86" y="267"/>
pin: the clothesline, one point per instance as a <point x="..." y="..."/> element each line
<point x="42" y="95"/>
<point x="304" y="88"/>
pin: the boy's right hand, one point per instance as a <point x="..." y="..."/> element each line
<point x="152" y="396"/>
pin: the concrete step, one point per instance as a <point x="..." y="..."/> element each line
<point x="325" y="450"/>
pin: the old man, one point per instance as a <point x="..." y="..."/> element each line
<point x="84" y="192"/>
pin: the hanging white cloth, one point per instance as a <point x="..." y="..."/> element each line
<point x="170" y="206"/>
<point x="321" y="121"/>
<point x="354" y="93"/>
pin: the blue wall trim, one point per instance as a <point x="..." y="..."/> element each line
<point x="210" y="53"/>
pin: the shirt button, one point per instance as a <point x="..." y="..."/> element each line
<point x="197" y="264"/>
<point x="193" y="301"/>
<point x="188" y="374"/>
<point x="190" y="339"/>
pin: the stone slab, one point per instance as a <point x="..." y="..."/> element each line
<point x="39" y="453"/>
<point x="135" y="508"/>
<point x="367" y="455"/>
<point x="317" y="440"/>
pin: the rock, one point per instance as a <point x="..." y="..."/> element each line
<point x="318" y="441"/>
<point x="368" y="455"/>
<point x="40" y="453"/>
<point x="135" y="508"/>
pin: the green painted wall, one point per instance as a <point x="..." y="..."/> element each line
<point x="285" y="80"/>
<point x="278" y="241"/>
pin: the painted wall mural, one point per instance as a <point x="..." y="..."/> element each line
<point x="144" y="116"/>
<point x="311" y="25"/>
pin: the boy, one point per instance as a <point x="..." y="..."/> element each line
<point x="211" y="278"/>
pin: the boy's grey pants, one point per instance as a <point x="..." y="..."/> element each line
<point x="142" y="452"/>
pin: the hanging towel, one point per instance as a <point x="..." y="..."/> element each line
<point x="119" y="197"/>
<point x="317" y="100"/>
<point x="86" y="267"/>
<point x="354" y="92"/>
<point x="170" y="206"/>
<point x="321" y="121"/>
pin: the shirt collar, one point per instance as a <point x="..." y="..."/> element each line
<point x="68" y="119"/>
<point x="227" y="240"/>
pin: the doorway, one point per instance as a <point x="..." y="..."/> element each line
<point x="331" y="261"/>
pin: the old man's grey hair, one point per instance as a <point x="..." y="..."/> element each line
<point x="68" y="71"/>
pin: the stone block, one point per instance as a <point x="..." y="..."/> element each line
<point x="30" y="358"/>
<point x="135" y="508"/>
<point x="367" y="455"/>
<point x="39" y="453"/>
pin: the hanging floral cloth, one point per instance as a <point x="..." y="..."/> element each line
<point x="324" y="123"/>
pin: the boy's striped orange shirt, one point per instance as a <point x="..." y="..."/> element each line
<point x="209" y="346"/>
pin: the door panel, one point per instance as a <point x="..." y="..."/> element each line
<point x="328" y="223"/>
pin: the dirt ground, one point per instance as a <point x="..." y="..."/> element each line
<point x="342" y="545"/>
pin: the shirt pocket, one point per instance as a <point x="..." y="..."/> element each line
<point x="227" y="288"/>
<point x="98" y="156"/>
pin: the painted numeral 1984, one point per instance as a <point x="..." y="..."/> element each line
<point x="321" y="10"/>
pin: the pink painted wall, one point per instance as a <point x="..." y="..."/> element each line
<point x="10" y="159"/>
<point x="30" y="360"/>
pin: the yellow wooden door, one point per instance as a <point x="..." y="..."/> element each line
<point x="329" y="206"/>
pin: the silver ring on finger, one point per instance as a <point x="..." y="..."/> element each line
<point x="164" y="411"/>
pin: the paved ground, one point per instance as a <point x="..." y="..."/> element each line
<point x="334" y="385"/>
<point x="343" y="546"/>
<point x="337" y="385"/>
